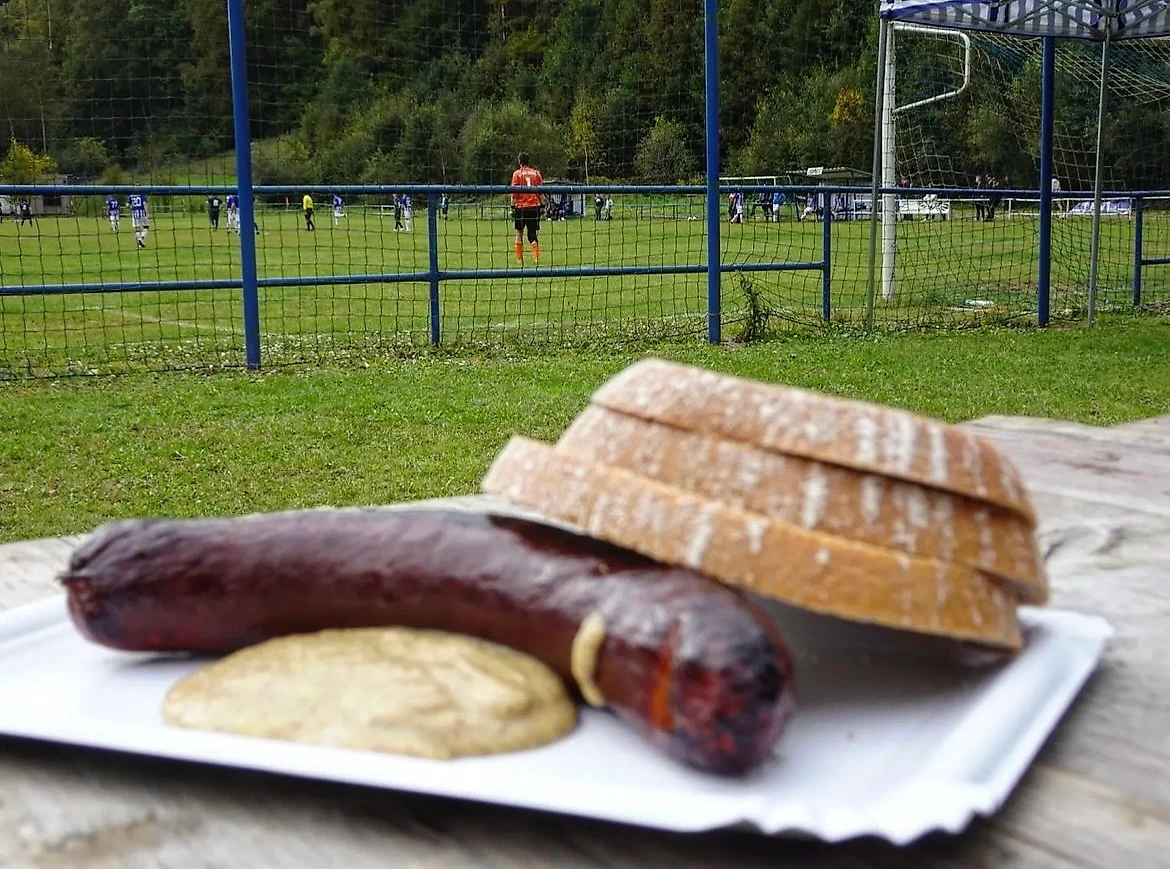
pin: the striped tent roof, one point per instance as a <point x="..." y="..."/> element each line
<point x="1073" y="19"/>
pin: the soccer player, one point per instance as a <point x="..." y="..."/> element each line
<point x="213" y="206"/>
<point x="139" y="217"/>
<point x="233" y="212"/>
<point x="307" y="206"/>
<point x="408" y="211"/>
<point x="526" y="206"/>
<point x="338" y="209"/>
<point x="444" y="204"/>
<point x="114" y="212"/>
<point x="25" y="212"/>
<point x="736" y="208"/>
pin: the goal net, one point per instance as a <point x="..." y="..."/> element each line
<point x="967" y="114"/>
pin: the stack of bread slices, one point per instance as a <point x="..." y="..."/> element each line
<point x="840" y="507"/>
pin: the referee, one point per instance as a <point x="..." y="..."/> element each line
<point x="307" y="205"/>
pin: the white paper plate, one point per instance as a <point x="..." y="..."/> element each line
<point x="889" y="739"/>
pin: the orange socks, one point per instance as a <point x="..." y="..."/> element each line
<point x="519" y="247"/>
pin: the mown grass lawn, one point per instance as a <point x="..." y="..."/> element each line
<point x="958" y="271"/>
<point x="78" y="451"/>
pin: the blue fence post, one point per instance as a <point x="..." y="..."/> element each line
<point x="827" y="244"/>
<point x="714" y="209"/>
<point x="235" y="13"/>
<point x="433" y="262"/>
<point x="1139" y="210"/>
<point x="1047" y="108"/>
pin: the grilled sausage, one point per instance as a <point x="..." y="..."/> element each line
<point x="692" y="664"/>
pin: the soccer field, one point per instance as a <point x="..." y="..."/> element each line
<point x="953" y="271"/>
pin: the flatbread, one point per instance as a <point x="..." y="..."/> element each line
<point x="420" y="693"/>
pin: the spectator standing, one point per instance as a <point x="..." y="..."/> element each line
<point x="993" y="198"/>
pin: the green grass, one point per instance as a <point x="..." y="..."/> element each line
<point x="954" y="272"/>
<point x="76" y="452"/>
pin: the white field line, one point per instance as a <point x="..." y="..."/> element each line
<point x="226" y="330"/>
<point x="150" y="318"/>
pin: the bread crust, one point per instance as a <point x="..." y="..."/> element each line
<point x="812" y="570"/>
<point x="851" y="434"/>
<point x="816" y="496"/>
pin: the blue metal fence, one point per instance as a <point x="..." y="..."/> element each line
<point x="937" y="275"/>
<point x="251" y="280"/>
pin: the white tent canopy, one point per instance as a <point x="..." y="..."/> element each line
<point x="1104" y="20"/>
<point x="1070" y="19"/>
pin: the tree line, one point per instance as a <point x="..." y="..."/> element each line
<point x="447" y="91"/>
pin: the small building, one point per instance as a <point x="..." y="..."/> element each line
<point x="42" y="205"/>
<point x="559" y="206"/>
<point x="845" y="206"/>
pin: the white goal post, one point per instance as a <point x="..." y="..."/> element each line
<point x="890" y="111"/>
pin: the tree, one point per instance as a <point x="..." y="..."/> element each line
<point x="494" y="135"/>
<point x="662" y="156"/>
<point x="83" y="158"/>
<point x="583" y="144"/>
<point x="23" y="165"/>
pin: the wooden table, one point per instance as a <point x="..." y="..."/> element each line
<point x="1098" y="795"/>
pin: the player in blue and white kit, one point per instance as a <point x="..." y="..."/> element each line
<point x="233" y="212"/>
<point x="338" y="209"/>
<point x="114" y="212"/>
<point x="139" y="217"/>
<point x="408" y="212"/>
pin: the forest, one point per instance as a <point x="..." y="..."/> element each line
<point x="446" y="91"/>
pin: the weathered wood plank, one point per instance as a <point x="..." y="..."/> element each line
<point x="1157" y="428"/>
<point x="1101" y="465"/>
<point x="1154" y="432"/>
<point x="28" y="568"/>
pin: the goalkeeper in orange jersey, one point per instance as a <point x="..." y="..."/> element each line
<point x="526" y="206"/>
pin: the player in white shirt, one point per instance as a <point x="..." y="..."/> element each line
<point x="233" y="213"/>
<point x="338" y="209"/>
<point x="114" y="212"/>
<point x="408" y="212"/>
<point x="139" y="217"/>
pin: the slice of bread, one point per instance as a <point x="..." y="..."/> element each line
<point x="852" y="434"/>
<point x="815" y="571"/>
<point x="868" y="508"/>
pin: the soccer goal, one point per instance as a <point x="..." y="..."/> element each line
<point x="961" y="92"/>
<point x="951" y="52"/>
